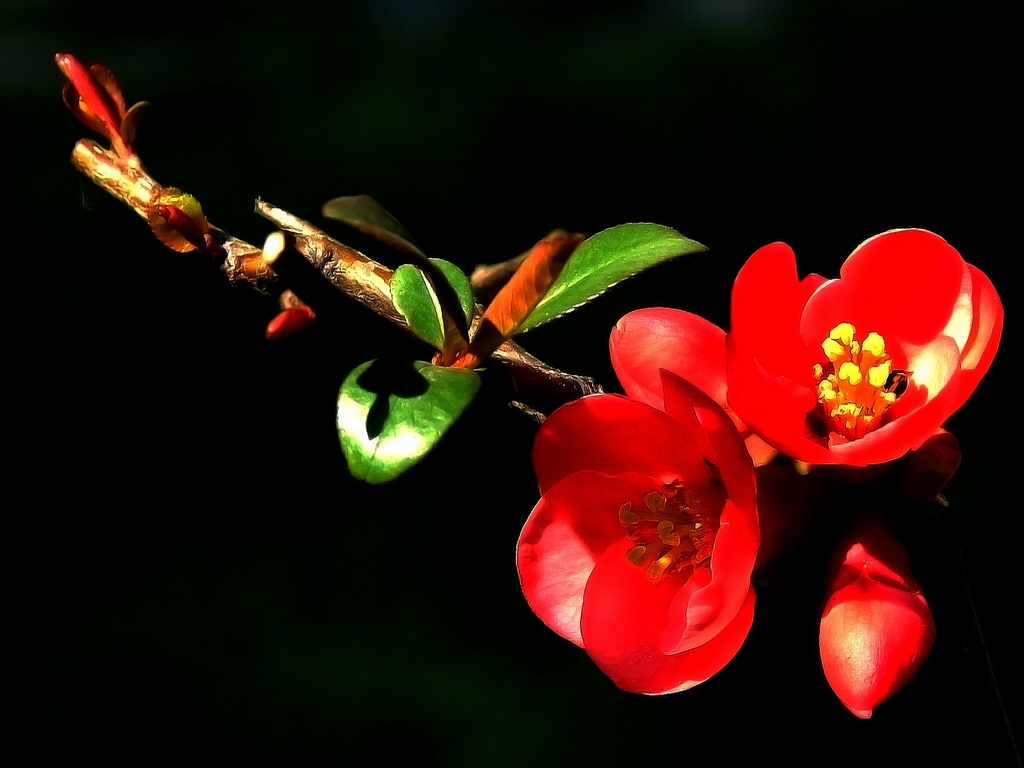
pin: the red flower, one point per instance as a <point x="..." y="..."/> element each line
<point x="855" y="371"/>
<point x="876" y="628"/>
<point x="862" y="369"/>
<point x="641" y="547"/>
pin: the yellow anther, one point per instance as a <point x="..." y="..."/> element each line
<point x="858" y="387"/>
<point x="662" y="537"/>
<point x="851" y="373"/>
<point x="655" y="501"/>
<point x="627" y="516"/>
<point x="636" y="554"/>
<point x="832" y="349"/>
<point x="878" y="375"/>
<point x="874" y="344"/>
<point x="843" y="333"/>
<point x="655" y="570"/>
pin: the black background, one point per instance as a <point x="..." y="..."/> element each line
<point x="192" y="570"/>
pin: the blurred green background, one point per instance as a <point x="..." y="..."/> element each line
<point x="193" y="572"/>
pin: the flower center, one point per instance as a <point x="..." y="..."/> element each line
<point x="670" y="534"/>
<point x="858" y="383"/>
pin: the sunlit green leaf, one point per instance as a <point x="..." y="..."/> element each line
<point x="460" y="284"/>
<point x="391" y="414"/>
<point x="605" y="259"/>
<point x="413" y="296"/>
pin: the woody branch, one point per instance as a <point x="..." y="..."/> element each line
<point x="334" y="264"/>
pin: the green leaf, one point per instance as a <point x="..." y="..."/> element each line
<point x="391" y="414"/>
<point x="363" y="213"/>
<point x="460" y="284"/>
<point x="415" y="299"/>
<point x="605" y="259"/>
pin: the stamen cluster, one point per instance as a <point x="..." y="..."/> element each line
<point x="853" y="387"/>
<point x="670" y="534"/>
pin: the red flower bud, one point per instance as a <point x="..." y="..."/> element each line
<point x="876" y="627"/>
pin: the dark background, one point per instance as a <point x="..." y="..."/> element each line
<point x="192" y="570"/>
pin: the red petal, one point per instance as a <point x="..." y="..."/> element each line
<point x="983" y="341"/>
<point x="647" y="340"/>
<point x="716" y="435"/>
<point x="622" y="620"/>
<point x="769" y="368"/>
<point x="773" y="406"/>
<point x="573" y="523"/>
<point x="904" y="283"/>
<point x="707" y="603"/>
<point x="694" y="667"/>
<point x="922" y="410"/>
<point x="870" y="550"/>
<point x="612" y="434"/>
<point x="767" y="301"/>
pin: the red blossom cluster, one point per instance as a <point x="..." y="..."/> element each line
<point x="657" y="507"/>
<point x="660" y="508"/>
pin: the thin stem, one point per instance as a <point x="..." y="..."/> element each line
<point x="335" y="265"/>
<point x="988" y="659"/>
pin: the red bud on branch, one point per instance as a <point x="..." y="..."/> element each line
<point x="876" y="627"/>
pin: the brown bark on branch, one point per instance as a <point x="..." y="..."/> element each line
<point x="342" y="268"/>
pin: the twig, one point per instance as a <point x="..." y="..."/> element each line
<point x="488" y="279"/>
<point x="345" y="269"/>
<point x="990" y="670"/>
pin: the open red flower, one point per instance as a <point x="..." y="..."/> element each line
<point x="861" y="369"/>
<point x="641" y="548"/>
<point x="876" y="627"/>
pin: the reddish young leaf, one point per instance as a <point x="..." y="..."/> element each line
<point x="94" y="97"/>
<point x="182" y="234"/>
<point x="289" y="322"/>
<point x="524" y="290"/>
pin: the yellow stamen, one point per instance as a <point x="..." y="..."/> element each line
<point x="671" y="534"/>
<point x="858" y="384"/>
